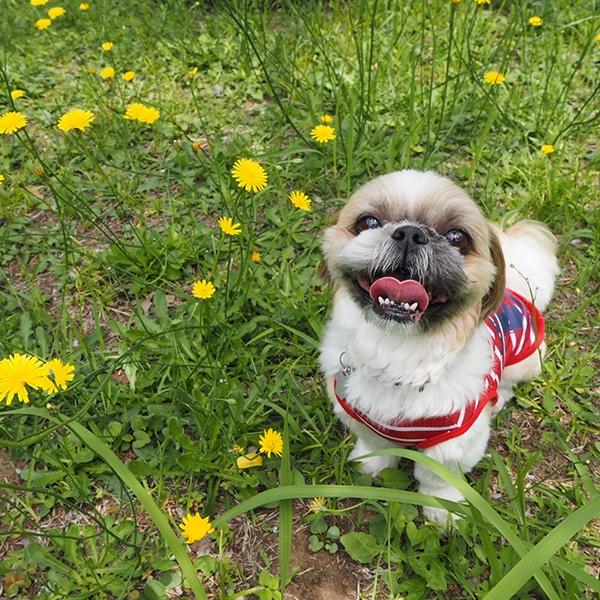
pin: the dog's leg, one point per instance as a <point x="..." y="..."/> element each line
<point x="459" y="455"/>
<point x="367" y="442"/>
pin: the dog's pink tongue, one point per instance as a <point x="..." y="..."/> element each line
<point x="402" y="292"/>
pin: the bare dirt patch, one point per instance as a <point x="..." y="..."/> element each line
<point x="319" y="575"/>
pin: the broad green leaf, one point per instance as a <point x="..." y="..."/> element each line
<point x="361" y="547"/>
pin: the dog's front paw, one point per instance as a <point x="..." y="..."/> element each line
<point x="433" y="485"/>
<point x="371" y="465"/>
<point x="444" y="519"/>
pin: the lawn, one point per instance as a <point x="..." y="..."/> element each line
<point x="166" y="172"/>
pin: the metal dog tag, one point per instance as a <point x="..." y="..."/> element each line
<point x="341" y="384"/>
<point x="342" y="377"/>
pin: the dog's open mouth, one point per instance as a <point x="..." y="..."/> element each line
<point x="401" y="300"/>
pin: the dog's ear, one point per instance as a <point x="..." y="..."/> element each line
<point x="322" y="270"/>
<point x="493" y="298"/>
<point x="323" y="273"/>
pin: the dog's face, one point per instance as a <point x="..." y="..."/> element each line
<point x="412" y="248"/>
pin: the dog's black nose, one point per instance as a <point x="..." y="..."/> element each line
<point x="411" y="236"/>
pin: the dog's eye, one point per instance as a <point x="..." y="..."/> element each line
<point x="459" y="239"/>
<point x="367" y="222"/>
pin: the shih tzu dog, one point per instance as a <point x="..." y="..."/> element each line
<point x="437" y="314"/>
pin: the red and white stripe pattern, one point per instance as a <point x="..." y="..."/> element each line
<point x="517" y="330"/>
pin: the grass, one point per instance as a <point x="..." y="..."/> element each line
<point x="104" y="232"/>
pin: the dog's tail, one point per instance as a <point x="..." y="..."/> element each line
<point x="531" y="266"/>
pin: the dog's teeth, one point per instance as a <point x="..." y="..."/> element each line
<point x="385" y="301"/>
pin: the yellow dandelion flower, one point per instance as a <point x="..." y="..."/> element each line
<point x="318" y="504"/>
<point x="547" y="148"/>
<point x="203" y="289"/>
<point x="134" y="111"/>
<point x="84" y="6"/>
<point x="598" y="37"/>
<point x="455" y="1"/>
<point x="59" y="374"/>
<point x="57" y="11"/>
<point x="228" y="227"/>
<point x="323" y="133"/>
<point x="19" y="371"/>
<point x="128" y="75"/>
<point x="107" y="46"/>
<point x="151" y="115"/>
<point x="326" y="119"/>
<point x="195" y="528"/>
<point x="494" y="77"/>
<point x="138" y="112"/>
<point x="38" y="2"/>
<point x="249" y="460"/>
<point x="271" y="442"/>
<point x="300" y="200"/>
<point x="536" y="21"/>
<point x="2" y="178"/>
<point x="76" y="119"/>
<point x="255" y="257"/>
<point x="42" y="24"/>
<point x="11" y="122"/>
<point x="249" y="174"/>
<point x="107" y="73"/>
<point x="193" y="72"/>
<point x="483" y="1"/>
<point x="16" y="94"/>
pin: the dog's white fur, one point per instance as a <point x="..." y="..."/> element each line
<point x="406" y="371"/>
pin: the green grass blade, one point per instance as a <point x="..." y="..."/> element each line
<point x="511" y="490"/>
<point x="577" y="573"/>
<point x="543" y="551"/>
<point x="292" y="492"/>
<point x="484" y="508"/>
<point x="99" y="447"/>
<point x="488" y="547"/>
<point x="285" y="513"/>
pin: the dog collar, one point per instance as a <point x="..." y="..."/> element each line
<point x="517" y="330"/>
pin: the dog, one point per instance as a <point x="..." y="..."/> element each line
<point x="437" y="313"/>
